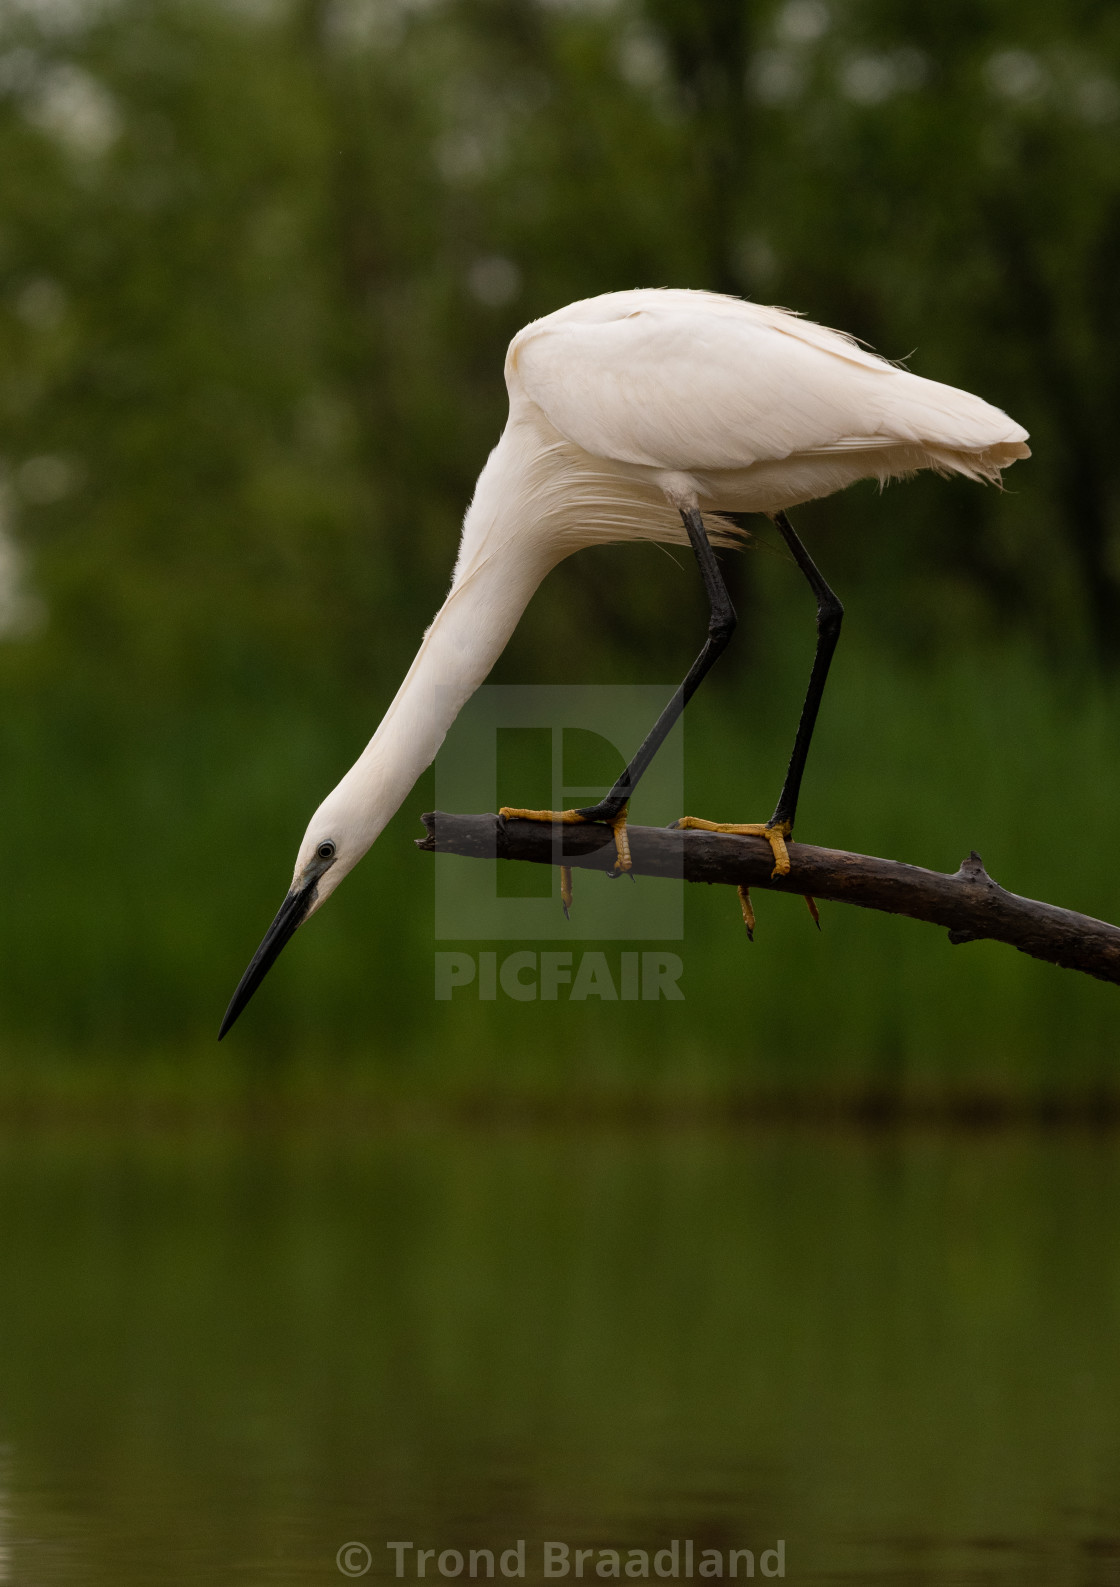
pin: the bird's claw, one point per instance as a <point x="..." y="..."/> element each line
<point x="623" y="862"/>
<point x="748" y="911"/>
<point x="774" y="833"/>
<point x="566" y="890"/>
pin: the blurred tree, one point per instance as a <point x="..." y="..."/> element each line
<point x="259" y="265"/>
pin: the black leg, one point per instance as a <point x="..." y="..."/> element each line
<point x="721" y="626"/>
<point x="830" y="614"/>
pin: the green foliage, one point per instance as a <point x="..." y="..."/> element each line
<point x="258" y="267"/>
<point x="148" y="854"/>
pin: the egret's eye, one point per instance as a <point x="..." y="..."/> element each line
<point x="326" y="850"/>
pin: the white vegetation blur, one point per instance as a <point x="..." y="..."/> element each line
<point x="21" y="613"/>
<point x="71" y="106"/>
<point x="63" y="100"/>
<point x="53" y="18"/>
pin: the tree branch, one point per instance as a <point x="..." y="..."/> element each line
<point x="969" y="904"/>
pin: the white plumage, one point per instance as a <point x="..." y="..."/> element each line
<point x="625" y="407"/>
<point x="713" y="387"/>
<point x="624" y="410"/>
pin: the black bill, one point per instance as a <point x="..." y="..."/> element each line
<point x="292" y="913"/>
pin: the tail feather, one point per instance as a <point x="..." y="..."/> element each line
<point x="938" y="416"/>
<point x="985" y="465"/>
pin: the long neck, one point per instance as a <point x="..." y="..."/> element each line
<point x="466" y="637"/>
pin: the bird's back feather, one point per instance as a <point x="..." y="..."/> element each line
<point x="692" y="382"/>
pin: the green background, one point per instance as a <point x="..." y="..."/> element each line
<point x="258" y="267"/>
<point x="825" y="1252"/>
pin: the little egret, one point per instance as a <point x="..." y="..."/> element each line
<point x="630" y="415"/>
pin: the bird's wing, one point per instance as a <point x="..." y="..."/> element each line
<point x="726" y="388"/>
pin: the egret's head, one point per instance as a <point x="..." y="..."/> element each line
<point x="331" y="847"/>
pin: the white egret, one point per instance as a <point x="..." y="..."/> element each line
<point x="630" y="416"/>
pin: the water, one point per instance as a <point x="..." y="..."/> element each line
<point x="223" y="1358"/>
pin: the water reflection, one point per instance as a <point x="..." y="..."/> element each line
<point x="221" y="1359"/>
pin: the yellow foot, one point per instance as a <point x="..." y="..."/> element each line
<point x="623" y="862"/>
<point x="567" y="818"/>
<point x="621" y="843"/>
<point x="775" y="836"/>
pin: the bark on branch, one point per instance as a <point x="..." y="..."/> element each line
<point x="968" y="903"/>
